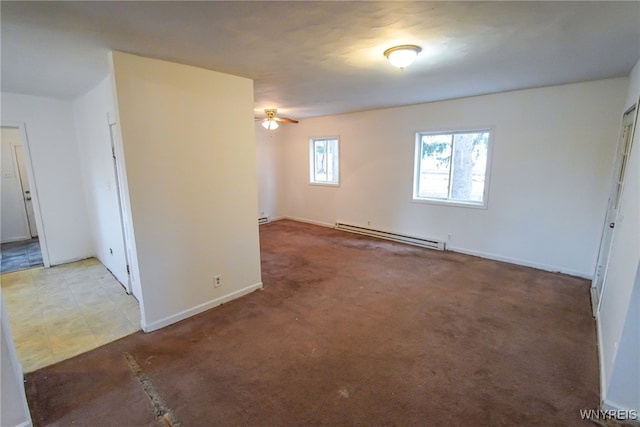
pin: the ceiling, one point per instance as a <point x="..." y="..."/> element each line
<point x="318" y="58"/>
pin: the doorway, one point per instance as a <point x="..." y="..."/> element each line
<point x="21" y="245"/>
<point x="57" y="312"/>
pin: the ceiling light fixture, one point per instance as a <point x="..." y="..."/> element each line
<point x="402" y="56"/>
<point x="270" y="122"/>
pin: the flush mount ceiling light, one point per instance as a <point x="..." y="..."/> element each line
<point x="402" y="56"/>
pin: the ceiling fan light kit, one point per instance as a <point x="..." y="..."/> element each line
<point x="402" y="56"/>
<point x="271" y="122"/>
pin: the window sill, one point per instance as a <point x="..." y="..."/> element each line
<point x="325" y="184"/>
<point x="453" y="203"/>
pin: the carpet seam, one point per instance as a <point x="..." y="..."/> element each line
<point x="162" y="411"/>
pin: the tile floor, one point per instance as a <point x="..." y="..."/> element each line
<point x="62" y="311"/>
<point x="20" y="255"/>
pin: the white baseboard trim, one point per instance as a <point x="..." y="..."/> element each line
<point x="480" y="254"/>
<point x="553" y="269"/>
<point x="159" y="324"/>
<point x="277" y="218"/>
<point x="24" y="424"/>
<point x="309" y="221"/>
<point x="16" y="239"/>
<point x="70" y="260"/>
<point x="603" y="386"/>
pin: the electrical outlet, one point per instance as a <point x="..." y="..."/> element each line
<point x="449" y="237"/>
<point x="217" y="281"/>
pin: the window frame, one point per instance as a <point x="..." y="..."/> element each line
<point x="312" y="181"/>
<point x="417" y="159"/>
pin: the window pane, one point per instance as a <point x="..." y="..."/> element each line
<point x="435" y="163"/>
<point x="320" y="161"/>
<point x="329" y="160"/>
<point x="452" y="166"/>
<point x="324" y="161"/>
<point x="469" y="166"/>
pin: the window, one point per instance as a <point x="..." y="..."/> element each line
<point x="451" y="167"/>
<point x="324" y="161"/>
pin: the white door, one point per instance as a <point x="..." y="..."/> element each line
<point x="624" y="148"/>
<point x="26" y="190"/>
<point x="123" y="225"/>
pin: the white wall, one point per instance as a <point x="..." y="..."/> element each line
<point x="269" y="155"/>
<point x="623" y="391"/>
<point x="14" y="225"/>
<point x="618" y="324"/>
<point x="13" y="401"/>
<point x="190" y="159"/>
<point x="552" y="154"/>
<point x="94" y="146"/>
<point x="634" y="86"/>
<point x="57" y="175"/>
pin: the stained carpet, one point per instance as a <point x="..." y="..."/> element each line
<point x="350" y="331"/>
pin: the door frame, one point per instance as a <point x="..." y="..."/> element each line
<point x="608" y="231"/>
<point x="33" y="184"/>
<point x="25" y="234"/>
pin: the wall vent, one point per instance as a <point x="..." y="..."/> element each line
<point x="396" y="237"/>
<point x="263" y="220"/>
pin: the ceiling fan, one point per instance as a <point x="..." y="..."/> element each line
<point x="271" y="121"/>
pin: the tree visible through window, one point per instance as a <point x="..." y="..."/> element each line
<point x="324" y="161"/>
<point x="452" y="166"/>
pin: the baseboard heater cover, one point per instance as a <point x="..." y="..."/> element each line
<point x="396" y="237"/>
<point x="263" y="220"/>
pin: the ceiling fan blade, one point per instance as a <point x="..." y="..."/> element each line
<point x="285" y="119"/>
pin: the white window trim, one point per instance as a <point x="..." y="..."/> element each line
<point x="446" y="202"/>
<point x="311" y="161"/>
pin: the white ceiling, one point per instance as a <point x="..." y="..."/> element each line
<point x="318" y="58"/>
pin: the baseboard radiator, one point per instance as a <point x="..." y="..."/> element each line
<point x="396" y="237"/>
<point x="263" y="220"/>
